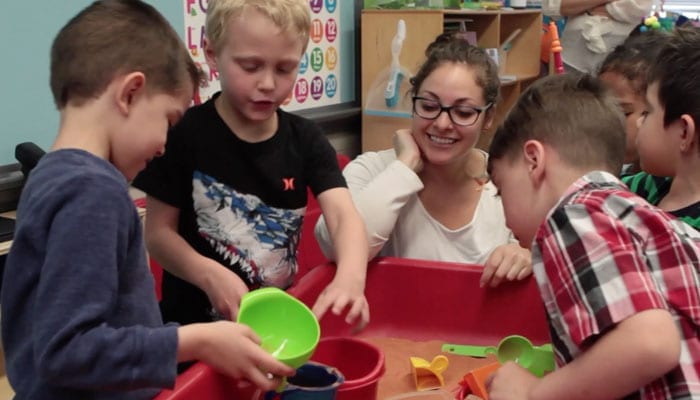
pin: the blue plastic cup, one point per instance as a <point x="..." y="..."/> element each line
<point x="313" y="381"/>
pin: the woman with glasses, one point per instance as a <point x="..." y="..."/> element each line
<point x="429" y="197"/>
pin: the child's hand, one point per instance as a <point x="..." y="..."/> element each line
<point x="225" y="290"/>
<point x="234" y="349"/>
<point x="407" y="150"/>
<point x="509" y="261"/>
<point x="510" y="382"/>
<point x="338" y="296"/>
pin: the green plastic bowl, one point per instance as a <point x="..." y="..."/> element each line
<point x="287" y="327"/>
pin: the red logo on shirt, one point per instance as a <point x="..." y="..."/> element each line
<point x="288" y="183"/>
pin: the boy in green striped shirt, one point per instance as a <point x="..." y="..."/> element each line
<point x="669" y="135"/>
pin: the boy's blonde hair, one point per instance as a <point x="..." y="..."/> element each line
<point x="112" y="37"/>
<point x="291" y="16"/>
<point x="574" y="114"/>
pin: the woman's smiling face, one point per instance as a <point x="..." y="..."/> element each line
<point x="440" y="140"/>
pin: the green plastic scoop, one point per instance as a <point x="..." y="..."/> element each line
<point x="536" y="359"/>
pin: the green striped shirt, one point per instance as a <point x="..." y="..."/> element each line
<point x="654" y="188"/>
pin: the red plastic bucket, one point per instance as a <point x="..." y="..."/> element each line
<point x="361" y="363"/>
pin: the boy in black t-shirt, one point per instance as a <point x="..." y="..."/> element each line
<point x="226" y="201"/>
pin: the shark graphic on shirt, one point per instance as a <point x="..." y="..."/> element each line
<point x="248" y="234"/>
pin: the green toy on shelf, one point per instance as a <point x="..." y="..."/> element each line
<point x="385" y="4"/>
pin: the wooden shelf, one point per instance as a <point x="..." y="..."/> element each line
<point x="422" y="26"/>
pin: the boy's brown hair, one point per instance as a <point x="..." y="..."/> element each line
<point x="634" y="57"/>
<point x="292" y="16"/>
<point x="112" y="37"/>
<point x="574" y="114"/>
<point x="674" y="70"/>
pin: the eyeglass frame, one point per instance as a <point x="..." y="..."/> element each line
<point x="448" y="109"/>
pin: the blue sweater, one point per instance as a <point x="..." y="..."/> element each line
<point x="80" y="318"/>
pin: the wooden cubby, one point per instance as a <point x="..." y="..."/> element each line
<point x="422" y="26"/>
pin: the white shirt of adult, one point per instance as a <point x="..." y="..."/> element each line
<point x="385" y="191"/>
<point x="588" y="39"/>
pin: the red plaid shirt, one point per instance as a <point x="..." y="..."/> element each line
<point x="603" y="255"/>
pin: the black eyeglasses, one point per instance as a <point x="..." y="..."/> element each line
<point x="459" y="114"/>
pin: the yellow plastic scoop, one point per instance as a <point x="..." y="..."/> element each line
<point x="428" y="375"/>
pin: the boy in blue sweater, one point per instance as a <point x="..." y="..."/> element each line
<point x="80" y="317"/>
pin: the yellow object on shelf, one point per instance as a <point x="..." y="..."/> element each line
<point x="492" y="5"/>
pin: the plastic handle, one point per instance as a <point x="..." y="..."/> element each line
<point x="509" y="41"/>
<point x="392" y="87"/>
<point x="439" y="363"/>
<point x="397" y="41"/>
<point x="466" y="350"/>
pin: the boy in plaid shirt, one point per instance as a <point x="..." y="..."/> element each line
<point x="618" y="277"/>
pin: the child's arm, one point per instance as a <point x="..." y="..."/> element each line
<point x="74" y="341"/>
<point x="89" y="330"/>
<point x="223" y="287"/>
<point x="347" y="233"/>
<point x="232" y="349"/>
<point x="635" y="352"/>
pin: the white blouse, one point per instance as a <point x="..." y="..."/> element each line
<point x="588" y="39"/>
<point x="385" y="192"/>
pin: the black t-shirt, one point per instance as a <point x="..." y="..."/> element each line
<point x="240" y="203"/>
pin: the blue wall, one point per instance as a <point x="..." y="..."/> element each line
<point x="27" y="28"/>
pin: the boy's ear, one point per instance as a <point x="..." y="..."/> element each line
<point x="130" y="85"/>
<point x="534" y="157"/>
<point x="689" y="135"/>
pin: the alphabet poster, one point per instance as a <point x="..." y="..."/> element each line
<point x="317" y="82"/>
